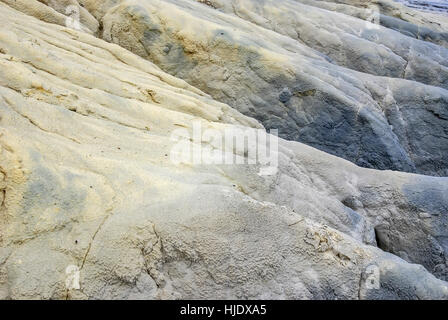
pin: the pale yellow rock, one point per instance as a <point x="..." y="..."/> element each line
<point x="89" y="185"/>
<point x="58" y="12"/>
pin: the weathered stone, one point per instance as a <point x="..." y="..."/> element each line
<point x="88" y="183"/>
<point x="358" y="116"/>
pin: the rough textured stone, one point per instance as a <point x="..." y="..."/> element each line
<point x="86" y="178"/>
<point x="352" y="82"/>
<point x="430" y="27"/>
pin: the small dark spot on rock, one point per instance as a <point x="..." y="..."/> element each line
<point x="352" y="202"/>
<point x="305" y="93"/>
<point x="208" y="3"/>
<point x="167" y="48"/>
<point x="285" y="95"/>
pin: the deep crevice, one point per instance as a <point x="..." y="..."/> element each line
<point x="380" y="235"/>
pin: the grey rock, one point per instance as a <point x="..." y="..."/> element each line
<point x="302" y="77"/>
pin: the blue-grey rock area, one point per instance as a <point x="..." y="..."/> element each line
<point x="436" y="6"/>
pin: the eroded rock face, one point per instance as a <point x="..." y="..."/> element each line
<point x="361" y="91"/>
<point x="87" y="181"/>
<point x="391" y="14"/>
<point x="62" y="12"/>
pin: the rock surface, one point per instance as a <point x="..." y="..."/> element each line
<point x="87" y="178"/>
<point x="436" y="6"/>
<point x="346" y="86"/>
